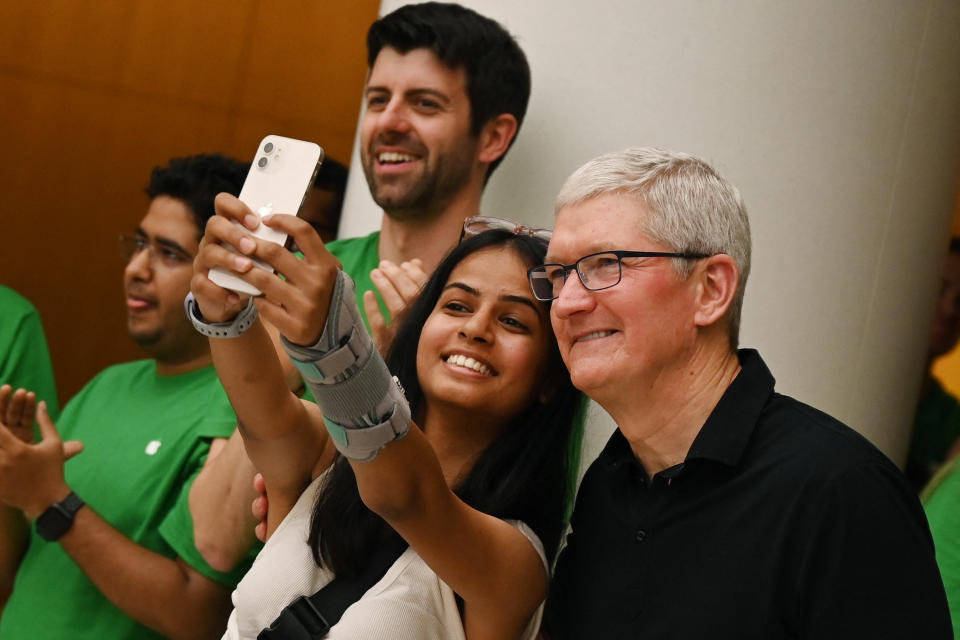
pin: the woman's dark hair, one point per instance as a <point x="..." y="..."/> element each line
<point x="525" y="473"/>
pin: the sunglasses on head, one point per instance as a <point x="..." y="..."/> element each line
<point x="475" y="225"/>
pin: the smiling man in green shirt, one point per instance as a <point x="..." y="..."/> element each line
<point x="110" y="554"/>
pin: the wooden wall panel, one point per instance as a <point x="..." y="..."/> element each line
<point x="320" y="53"/>
<point x="192" y="52"/>
<point x="68" y="39"/>
<point x="93" y="94"/>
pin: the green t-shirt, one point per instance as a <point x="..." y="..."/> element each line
<point x="146" y="437"/>
<point x="360" y="256"/>
<point x="24" y="356"/>
<point x="941" y="501"/>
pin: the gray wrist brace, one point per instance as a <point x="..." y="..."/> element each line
<point x="363" y="405"/>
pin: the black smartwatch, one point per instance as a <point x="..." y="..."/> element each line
<point x="58" y="518"/>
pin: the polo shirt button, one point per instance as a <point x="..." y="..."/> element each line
<point x="641" y="535"/>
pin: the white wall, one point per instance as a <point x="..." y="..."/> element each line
<point x="838" y="120"/>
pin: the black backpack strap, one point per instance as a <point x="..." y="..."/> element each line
<point x="311" y="617"/>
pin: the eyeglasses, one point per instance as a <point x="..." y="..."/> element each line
<point x="475" y="225"/>
<point x="170" y="255"/>
<point x="596" y="271"/>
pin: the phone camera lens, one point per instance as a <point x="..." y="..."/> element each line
<point x="262" y="162"/>
<point x="268" y="148"/>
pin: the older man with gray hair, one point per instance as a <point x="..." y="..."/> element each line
<point x="719" y="508"/>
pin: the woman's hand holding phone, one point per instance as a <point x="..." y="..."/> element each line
<point x="279" y="177"/>
<point x="216" y="303"/>
<point x="296" y="304"/>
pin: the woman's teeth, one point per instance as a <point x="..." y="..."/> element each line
<point x="469" y="363"/>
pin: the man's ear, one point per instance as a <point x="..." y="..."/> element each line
<point x="496" y="136"/>
<point x="717" y="281"/>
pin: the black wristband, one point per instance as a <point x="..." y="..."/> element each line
<point x="58" y="518"/>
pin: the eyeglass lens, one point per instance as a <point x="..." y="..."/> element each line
<point x="598" y="271"/>
<point x="131" y="245"/>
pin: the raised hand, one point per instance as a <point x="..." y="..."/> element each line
<point x="295" y="304"/>
<point x="298" y="305"/>
<point x="17" y="409"/>
<point x="399" y="286"/>
<point x="31" y="475"/>
<point x="216" y="303"/>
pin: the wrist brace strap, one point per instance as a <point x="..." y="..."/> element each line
<point x="363" y="406"/>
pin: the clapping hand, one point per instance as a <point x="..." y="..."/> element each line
<point x="31" y="474"/>
<point x="17" y="409"/>
<point x="399" y="286"/>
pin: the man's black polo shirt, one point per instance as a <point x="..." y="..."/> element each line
<point x="781" y="523"/>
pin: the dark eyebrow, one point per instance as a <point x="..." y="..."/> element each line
<point x="506" y="298"/>
<point x="522" y="300"/>
<point x="464" y="287"/>
<point x="170" y="244"/>
<point x="163" y="242"/>
<point x="429" y="92"/>
<point x="412" y="93"/>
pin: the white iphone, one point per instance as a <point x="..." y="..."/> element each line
<point x="280" y="175"/>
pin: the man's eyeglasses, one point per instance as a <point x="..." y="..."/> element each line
<point x="596" y="271"/>
<point x="169" y="255"/>
<point x="475" y="225"/>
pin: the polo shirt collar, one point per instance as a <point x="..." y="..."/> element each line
<point x="727" y="431"/>
<point x="724" y="436"/>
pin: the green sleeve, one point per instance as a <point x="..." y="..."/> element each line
<point x="177" y="531"/>
<point x="943" y="513"/>
<point x="24" y="355"/>
<point x="360" y="256"/>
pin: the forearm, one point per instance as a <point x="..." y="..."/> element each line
<point x="502" y="579"/>
<point x="159" y="592"/>
<point x="255" y="382"/>
<point x="220" y="498"/>
<point x="14" y="537"/>
<point x="404" y="482"/>
<point x="281" y="438"/>
<point x="290" y="374"/>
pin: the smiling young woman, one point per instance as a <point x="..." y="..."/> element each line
<point x="479" y="491"/>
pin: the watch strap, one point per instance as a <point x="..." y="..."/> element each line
<point x="232" y="329"/>
<point x="57" y="519"/>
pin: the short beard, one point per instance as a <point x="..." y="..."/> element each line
<point x="157" y="344"/>
<point x="428" y="198"/>
<point x="144" y="339"/>
<point x="421" y="204"/>
<point x="417" y="203"/>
